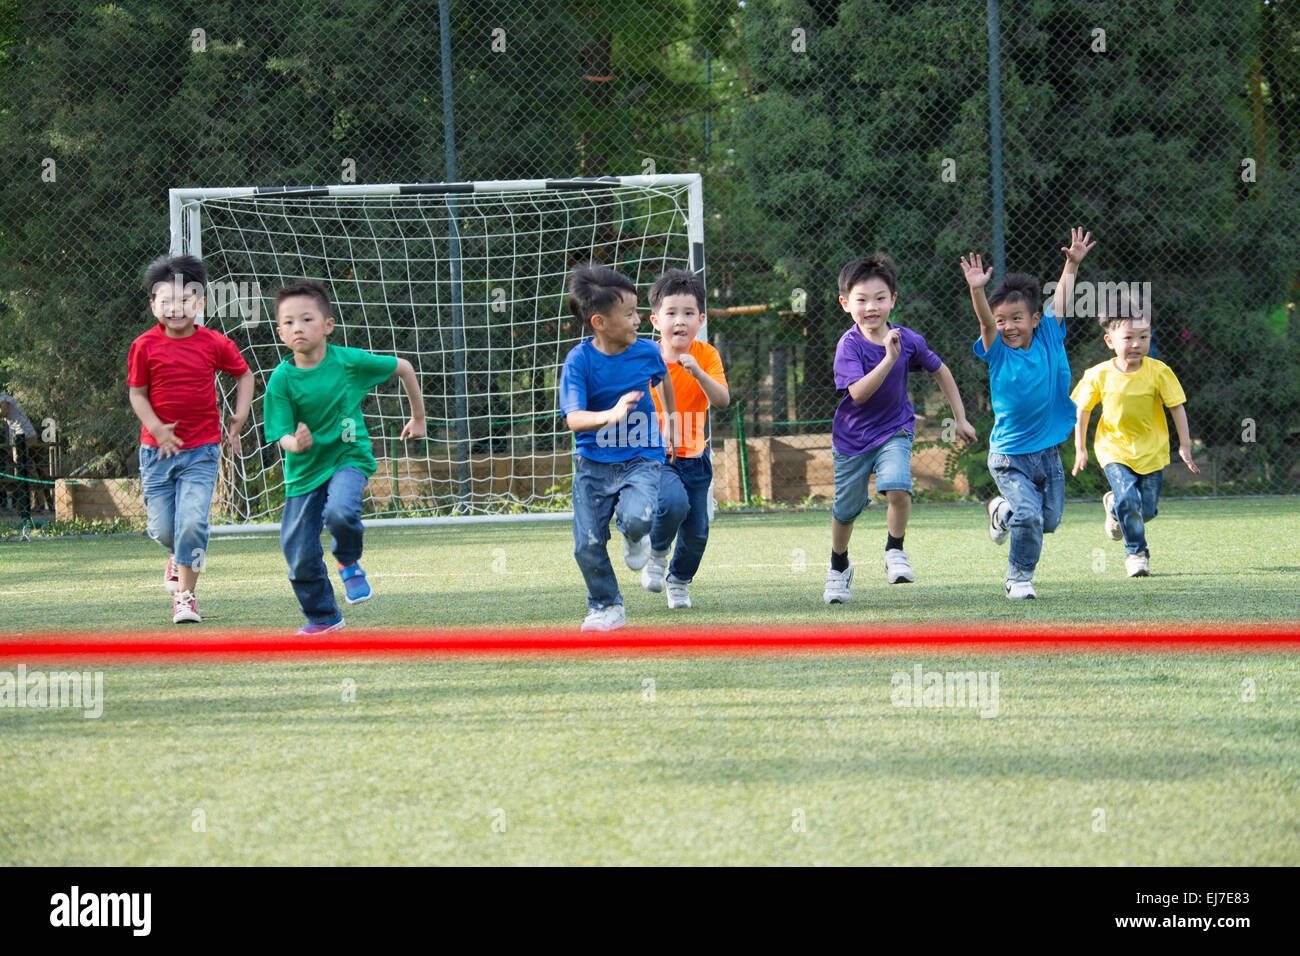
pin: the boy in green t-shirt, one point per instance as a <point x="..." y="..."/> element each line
<point x="1132" y="441"/>
<point x="327" y="454"/>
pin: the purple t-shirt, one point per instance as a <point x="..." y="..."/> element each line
<point x="858" y="428"/>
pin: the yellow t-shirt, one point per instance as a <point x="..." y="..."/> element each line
<point x="1132" y="430"/>
<point x="691" y="402"/>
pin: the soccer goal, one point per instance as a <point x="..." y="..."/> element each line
<point x="468" y="281"/>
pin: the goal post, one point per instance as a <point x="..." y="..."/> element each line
<point x="469" y="282"/>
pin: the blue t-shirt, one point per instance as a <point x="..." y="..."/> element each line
<point x="1032" y="410"/>
<point x="859" y="428"/>
<point x="593" y="381"/>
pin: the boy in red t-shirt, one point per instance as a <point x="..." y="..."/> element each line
<point x="170" y="372"/>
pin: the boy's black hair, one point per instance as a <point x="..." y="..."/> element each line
<point x="874" y="265"/>
<point x="595" y="289"/>
<point x="189" y="269"/>
<point x="305" y="287"/>
<point x="677" y="282"/>
<point x="1017" y="287"/>
<point x="1126" y="310"/>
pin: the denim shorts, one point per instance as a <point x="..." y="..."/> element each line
<point x="892" y="464"/>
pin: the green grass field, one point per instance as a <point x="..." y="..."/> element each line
<point x="1092" y="758"/>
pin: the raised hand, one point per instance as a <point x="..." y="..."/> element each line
<point x="976" y="276"/>
<point x="1081" y="244"/>
<point x="624" y="405"/>
<point x="893" y="345"/>
<point x="302" y="437"/>
<point x="687" y="361"/>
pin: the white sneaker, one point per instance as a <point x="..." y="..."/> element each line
<point x="185" y="609"/>
<point x="652" y="575"/>
<point x="998" y="529"/>
<point x="1138" y="565"/>
<point x="1020" y="591"/>
<point x="636" y="554"/>
<point x="679" y="595"/>
<point x="896" y="565"/>
<point x="837" y="586"/>
<point x="605" y="619"/>
<point x="1113" y="530"/>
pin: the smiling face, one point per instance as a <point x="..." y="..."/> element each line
<point x="869" y="303"/>
<point x="1015" y="323"/>
<point x="678" y="319"/>
<point x="615" y="328"/>
<point x="304" y="327"/>
<point x="1131" y="341"/>
<point x="177" y="305"/>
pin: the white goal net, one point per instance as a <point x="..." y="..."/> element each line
<point x="468" y="281"/>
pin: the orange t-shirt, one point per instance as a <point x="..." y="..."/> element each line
<point x="692" y="404"/>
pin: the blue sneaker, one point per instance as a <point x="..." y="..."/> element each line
<point x="321" y="628"/>
<point x="355" y="583"/>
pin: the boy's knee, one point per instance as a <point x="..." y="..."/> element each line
<point x="341" y="518"/>
<point x="1028" y="520"/>
<point x="1051" y="522"/>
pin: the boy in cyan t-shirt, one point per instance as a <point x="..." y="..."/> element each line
<point x="312" y="407"/>
<point x="618" y="447"/>
<point x="1132" y="440"/>
<point x="1029" y="383"/>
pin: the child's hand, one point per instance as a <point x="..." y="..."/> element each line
<point x="415" y="428"/>
<point x="624" y="405"/>
<point x="1185" y="453"/>
<point x="976" y="276"/>
<point x="966" y="432"/>
<point x="670" y="438"/>
<point x="687" y="361"/>
<point x="233" y="427"/>
<point x="168" y="443"/>
<point x="893" y="345"/>
<point x="302" y="437"/>
<point x="1079" y="245"/>
<point x="1080" y="459"/>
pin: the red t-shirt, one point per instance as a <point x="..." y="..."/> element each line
<point x="179" y="374"/>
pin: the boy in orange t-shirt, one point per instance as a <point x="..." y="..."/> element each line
<point x="677" y="311"/>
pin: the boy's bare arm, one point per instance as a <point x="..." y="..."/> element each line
<point x="1179" y="415"/>
<point x="717" y="394"/>
<point x="164" y="434"/>
<point x="1081" y="417"/>
<point x="668" y="401"/>
<point x="977" y="277"/>
<point x="584" y="420"/>
<point x="1080" y="244"/>
<point x="948" y="385"/>
<point x="865" y="387"/>
<point x="416" y="427"/>
<point x="243" y="403"/>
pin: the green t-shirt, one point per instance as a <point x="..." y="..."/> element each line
<point x="328" y="399"/>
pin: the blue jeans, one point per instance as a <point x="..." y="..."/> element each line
<point x="335" y="505"/>
<point x="626" y="490"/>
<point x="178" y="497"/>
<point x="1136" y="497"/>
<point x="1034" y="486"/>
<point x="683" y="513"/>
<point x="892" y="463"/>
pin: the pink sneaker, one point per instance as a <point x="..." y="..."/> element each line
<point x="185" y="607"/>
<point x="171" y="580"/>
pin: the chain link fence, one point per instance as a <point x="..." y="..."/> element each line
<point x="823" y="130"/>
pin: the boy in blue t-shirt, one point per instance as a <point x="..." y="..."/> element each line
<point x="1029" y="382"/>
<point x="618" y="449"/>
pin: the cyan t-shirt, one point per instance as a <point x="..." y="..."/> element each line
<point x="593" y="381"/>
<point x="1030" y="387"/>
<point x="327" y="399"/>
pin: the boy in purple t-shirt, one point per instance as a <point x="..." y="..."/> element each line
<point x="874" y="422"/>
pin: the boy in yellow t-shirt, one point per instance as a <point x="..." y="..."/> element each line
<point x="677" y="310"/>
<point x="1132" y="442"/>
